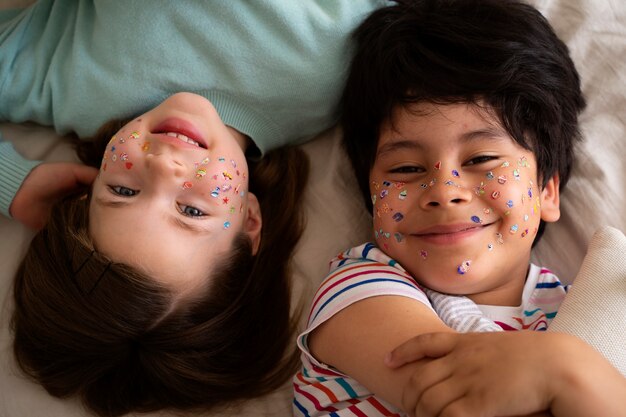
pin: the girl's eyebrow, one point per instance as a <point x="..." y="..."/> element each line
<point x="173" y="220"/>
<point x="110" y="203"/>
<point x="187" y="226"/>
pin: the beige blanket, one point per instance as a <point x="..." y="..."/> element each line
<point x="595" y="31"/>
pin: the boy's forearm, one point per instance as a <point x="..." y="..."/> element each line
<point x="13" y="170"/>
<point x="587" y="384"/>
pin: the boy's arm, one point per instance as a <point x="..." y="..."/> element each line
<point x="28" y="189"/>
<point x="356" y="340"/>
<point x="507" y="373"/>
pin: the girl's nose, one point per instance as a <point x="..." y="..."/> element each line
<point x="163" y="164"/>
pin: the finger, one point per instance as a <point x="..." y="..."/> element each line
<point x="430" y="345"/>
<point x="439" y="397"/>
<point x="423" y="383"/>
<point x="85" y="174"/>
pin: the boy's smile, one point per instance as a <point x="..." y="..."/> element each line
<point x="449" y="233"/>
<point x="457" y="201"/>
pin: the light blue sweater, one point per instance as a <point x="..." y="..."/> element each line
<point x="273" y="69"/>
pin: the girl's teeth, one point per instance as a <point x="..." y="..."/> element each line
<point x="183" y="138"/>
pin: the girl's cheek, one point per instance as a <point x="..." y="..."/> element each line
<point x="123" y="150"/>
<point x="222" y="181"/>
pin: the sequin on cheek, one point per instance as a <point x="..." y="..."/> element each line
<point x="464" y="267"/>
<point x="398" y="217"/>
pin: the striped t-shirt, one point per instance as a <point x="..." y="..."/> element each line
<point x="365" y="271"/>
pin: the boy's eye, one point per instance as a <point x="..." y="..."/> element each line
<point x="123" y="191"/>
<point x="191" y="211"/>
<point x="481" y="159"/>
<point x="409" y="169"/>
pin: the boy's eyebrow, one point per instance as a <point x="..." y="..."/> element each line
<point x="492" y="133"/>
<point x="486" y="133"/>
<point x="396" y="145"/>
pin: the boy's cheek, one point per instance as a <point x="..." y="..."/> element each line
<point x="512" y="195"/>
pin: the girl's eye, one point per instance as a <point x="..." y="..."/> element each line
<point x="409" y="169"/>
<point x="481" y="159"/>
<point x="123" y="191"/>
<point x="191" y="211"/>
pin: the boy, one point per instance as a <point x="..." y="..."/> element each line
<point x="460" y="119"/>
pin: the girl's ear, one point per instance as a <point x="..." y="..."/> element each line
<point x="253" y="223"/>
<point x="549" y="197"/>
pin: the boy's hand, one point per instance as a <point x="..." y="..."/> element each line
<point x="486" y="374"/>
<point x="44" y="185"/>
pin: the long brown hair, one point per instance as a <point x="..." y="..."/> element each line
<point x="89" y="326"/>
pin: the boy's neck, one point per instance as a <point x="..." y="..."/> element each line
<point x="508" y="294"/>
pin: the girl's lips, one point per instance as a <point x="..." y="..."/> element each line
<point x="449" y="234"/>
<point x="179" y="126"/>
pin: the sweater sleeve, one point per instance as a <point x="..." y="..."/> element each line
<point x="13" y="170"/>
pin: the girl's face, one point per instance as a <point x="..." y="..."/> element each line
<point x="457" y="201"/>
<point x="172" y="192"/>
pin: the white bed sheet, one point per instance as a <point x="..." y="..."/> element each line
<point x="595" y="31"/>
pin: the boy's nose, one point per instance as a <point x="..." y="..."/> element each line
<point x="444" y="193"/>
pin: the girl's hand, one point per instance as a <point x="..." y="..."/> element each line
<point x="46" y="184"/>
<point x="505" y="374"/>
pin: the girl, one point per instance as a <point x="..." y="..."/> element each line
<point x="157" y="287"/>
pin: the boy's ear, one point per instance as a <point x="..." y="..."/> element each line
<point x="253" y="222"/>
<point x="549" y="197"/>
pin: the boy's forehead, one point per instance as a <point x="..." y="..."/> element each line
<point x="467" y="121"/>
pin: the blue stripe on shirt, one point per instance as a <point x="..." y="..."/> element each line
<point x="548" y="284"/>
<point x="344" y="384"/>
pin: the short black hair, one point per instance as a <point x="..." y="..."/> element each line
<point x="502" y="53"/>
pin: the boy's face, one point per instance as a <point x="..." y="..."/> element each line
<point x="172" y="192"/>
<point x="457" y="201"/>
